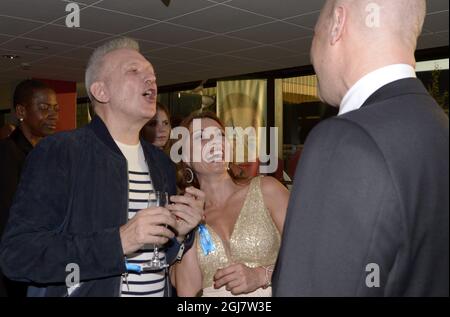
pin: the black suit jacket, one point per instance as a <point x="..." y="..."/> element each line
<point x="13" y="152"/>
<point x="372" y="187"/>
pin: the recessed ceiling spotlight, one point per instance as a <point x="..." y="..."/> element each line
<point x="11" y="57"/>
<point x="36" y="47"/>
<point x="166" y="2"/>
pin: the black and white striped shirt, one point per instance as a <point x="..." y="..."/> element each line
<point x="141" y="195"/>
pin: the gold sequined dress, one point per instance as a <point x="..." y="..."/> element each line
<point x="255" y="241"/>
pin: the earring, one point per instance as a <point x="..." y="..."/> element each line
<point x="21" y="119"/>
<point x="189" y="178"/>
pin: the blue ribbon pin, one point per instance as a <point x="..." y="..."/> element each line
<point x="206" y="241"/>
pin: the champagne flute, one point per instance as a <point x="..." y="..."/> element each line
<point x="156" y="264"/>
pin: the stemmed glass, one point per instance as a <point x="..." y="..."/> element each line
<point x="155" y="264"/>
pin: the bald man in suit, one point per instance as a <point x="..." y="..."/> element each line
<point x="369" y="211"/>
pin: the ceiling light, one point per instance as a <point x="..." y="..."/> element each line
<point x="36" y="47"/>
<point x="166" y="2"/>
<point x="11" y="57"/>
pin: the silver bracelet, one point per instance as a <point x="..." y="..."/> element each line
<point x="268" y="269"/>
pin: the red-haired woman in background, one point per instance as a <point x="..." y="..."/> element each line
<point x="157" y="130"/>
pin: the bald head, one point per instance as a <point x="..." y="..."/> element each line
<point x="381" y="20"/>
<point x="355" y="37"/>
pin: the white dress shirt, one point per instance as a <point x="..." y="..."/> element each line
<point x="370" y="83"/>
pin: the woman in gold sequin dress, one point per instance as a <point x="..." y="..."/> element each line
<point x="244" y="220"/>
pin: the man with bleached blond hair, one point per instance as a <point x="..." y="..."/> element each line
<point x="85" y="218"/>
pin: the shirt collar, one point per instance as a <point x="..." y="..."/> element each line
<point x="371" y="82"/>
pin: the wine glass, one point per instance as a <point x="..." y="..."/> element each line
<point x="156" y="264"/>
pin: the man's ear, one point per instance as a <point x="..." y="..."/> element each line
<point x="338" y="24"/>
<point x="21" y="111"/>
<point x="99" y="92"/>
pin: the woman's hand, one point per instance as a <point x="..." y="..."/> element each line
<point x="240" y="279"/>
<point x="189" y="210"/>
